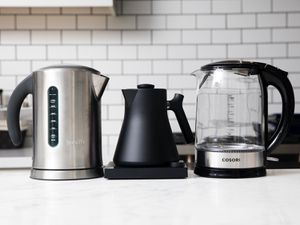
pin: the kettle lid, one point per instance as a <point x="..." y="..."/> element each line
<point x="72" y="67"/>
<point x="230" y="64"/>
<point x="145" y="86"/>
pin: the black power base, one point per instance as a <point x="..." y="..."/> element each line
<point x="174" y="171"/>
<point x="230" y="173"/>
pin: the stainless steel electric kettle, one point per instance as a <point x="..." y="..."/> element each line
<point x="66" y="121"/>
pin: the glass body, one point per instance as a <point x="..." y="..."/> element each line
<point x="230" y="114"/>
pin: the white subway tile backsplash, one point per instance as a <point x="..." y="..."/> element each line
<point x="92" y="52"/>
<point x="211" y="51"/>
<point x="195" y="7"/>
<point x="226" y="6"/>
<point x="190" y="66"/>
<point x="152" y="52"/>
<point x="272" y="50"/>
<point x="190" y="111"/>
<point x="110" y="127"/>
<point x="115" y="112"/>
<point x="241" y="51"/>
<point x="113" y="140"/>
<point x="241" y="21"/>
<point x="7" y="82"/>
<point x="271" y="20"/>
<point x="137" y="67"/>
<point x="120" y="82"/>
<point x="37" y="64"/>
<point x="182" y="52"/>
<point x="108" y="67"/>
<point x="256" y="36"/>
<point x="294" y="50"/>
<point x="176" y="82"/>
<point x="295" y="79"/>
<point x="61" y="22"/>
<point x="276" y="97"/>
<point x="286" y="5"/>
<point x="91" y="22"/>
<point x="226" y="36"/>
<point x="7" y="52"/>
<point x="122" y="52"/>
<point x="106" y="37"/>
<point x="160" y="81"/>
<point x="31" y="22"/>
<point x="81" y="62"/>
<point x="256" y="5"/>
<point x="15" y="37"/>
<point x="293" y="19"/>
<point x="286" y="35"/>
<point x="291" y="65"/>
<point x="104" y="112"/>
<point x="166" y="7"/>
<point x="166" y="37"/>
<point x="211" y="21"/>
<point x="167" y="67"/>
<point x="121" y="23"/>
<point x="181" y="22"/>
<point x="189" y="96"/>
<point x="31" y="52"/>
<point x="15" y="67"/>
<point x="112" y="97"/>
<point x="45" y="37"/>
<point x="151" y="22"/>
<point x="137" y="7"/>
<point x="76" y="37"/>
<point x="61" y="52"/>
<point x="196" y="36"/>
<point x="136" y="37"/>
<point x="7" y="22"/>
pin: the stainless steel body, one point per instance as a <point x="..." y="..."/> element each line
<point x="67" y="122"/>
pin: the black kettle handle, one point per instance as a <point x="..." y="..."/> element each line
<point x="14" y="107"/>
<point x="278" y="78"/>
<point x="176" y="106"/>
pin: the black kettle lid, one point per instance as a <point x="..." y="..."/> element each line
<point x="230" y="64"/>
<point x="145" y="86"/>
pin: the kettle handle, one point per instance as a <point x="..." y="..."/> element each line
<point x="14" y="107"/>
<point x="176" y="106"/>
<point x="278" y="78"/>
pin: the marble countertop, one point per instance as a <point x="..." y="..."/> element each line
<point x="270" y="200"/>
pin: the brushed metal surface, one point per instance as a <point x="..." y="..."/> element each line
<point x="79" y="119"/>
<point x="230" y="160"/>
<point x="66" y="174"/>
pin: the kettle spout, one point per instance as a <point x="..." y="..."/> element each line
<point x="99" y="84"/>
<point x="129" y="95"/>
<point x="196" y="73"/>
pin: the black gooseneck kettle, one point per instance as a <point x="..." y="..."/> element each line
<point x="146" y="137"/>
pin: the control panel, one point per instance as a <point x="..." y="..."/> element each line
<point x="52" y="116"/>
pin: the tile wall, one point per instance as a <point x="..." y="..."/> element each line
<point x="158" y="41"/>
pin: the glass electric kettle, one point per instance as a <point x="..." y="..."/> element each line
<point x="231" y="121"/>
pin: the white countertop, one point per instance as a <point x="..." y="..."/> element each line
<point x="270" y="200"/>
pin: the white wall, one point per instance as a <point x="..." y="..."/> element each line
<point x="152" y="41"/>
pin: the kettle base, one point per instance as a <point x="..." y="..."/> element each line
<point x="78" y="174"/>
<point x="230" y="173"/>
<point x="174" y="171"/>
